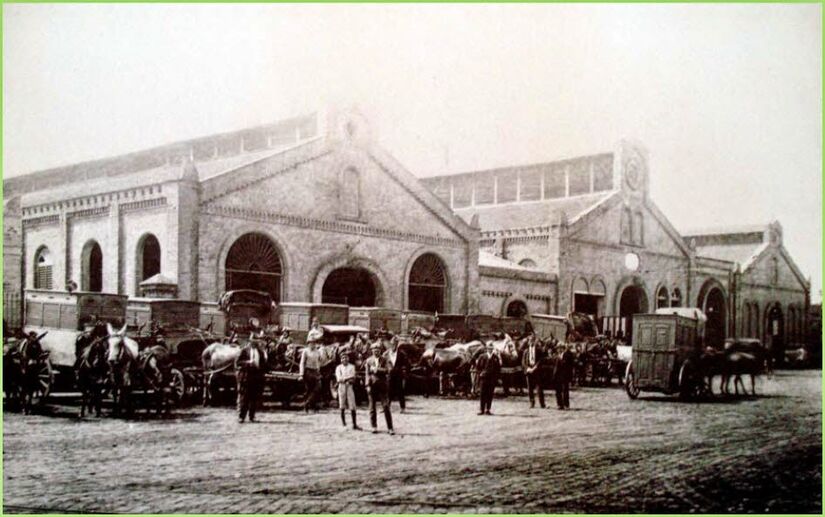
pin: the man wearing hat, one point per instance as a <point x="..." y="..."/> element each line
<point x="488" y="366"/>
<point x="376" y="370"/>
<point x="563" y="374"/>
<point x="397" y="362"/>
<point x="310" y="372"/>
<point x="249" y="373"/>
<point x="532" y="362"/>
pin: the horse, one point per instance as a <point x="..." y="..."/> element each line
<point x="122" y="356"/>
<point x="512" y="373"/>
<point x="29" y="358"/>
<point x="453" y="362"/>
<point x="155" y="368"/>
<point x="91" y="372"/>
<point x="738" y="364"/>
<point x="218" y="359"/>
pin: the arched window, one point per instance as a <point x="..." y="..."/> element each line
<point x="662" y="298"/>
<point x="676" y="298"/>
<point x="253" y="262"/>
<point x="43" y="269"/>
<point x="349" y="193"/>
<point x="148" y="258"/>
<point x="427" y="284"/>
<point x="91" y="273"/>
<point x="527" y="263"/>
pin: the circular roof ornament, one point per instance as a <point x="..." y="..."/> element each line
<point x="631" y="262"/>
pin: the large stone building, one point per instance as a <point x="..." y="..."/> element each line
<point x="312" y="210"/>
<point x="307" y="213"/>
<point x="584" y="235"/>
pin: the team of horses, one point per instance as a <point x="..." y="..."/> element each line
<point x="109" y="361"/>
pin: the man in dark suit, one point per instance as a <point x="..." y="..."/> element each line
<point x="397" y="361"/>
<point x="532" y="361"/>
<point x="563" y="374"/>
<point x="249" y="373"/>
<point x="488" y="366"/>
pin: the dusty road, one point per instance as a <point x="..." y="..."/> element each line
<point x="608" y="454"/>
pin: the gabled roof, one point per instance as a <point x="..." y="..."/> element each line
<point x="531" y="214"/>
<point x="724" y="230"/>
<point x="741" y="253"/>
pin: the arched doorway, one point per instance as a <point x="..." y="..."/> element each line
<point x="351" y="286"/>
<point x="253" y="262"/>
<point x="427" y="285"/>
<point x="775" y="332"/>
<point x="516" y="309"/>
<point x="715" y="309"/>
<point x="633" y="300"/>
<point x="91" y="276"/>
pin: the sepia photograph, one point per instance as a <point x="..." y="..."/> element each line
<point x="412" y="258"/>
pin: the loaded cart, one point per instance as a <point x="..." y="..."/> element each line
<point x="61" y="317"/>
<point x="666" y="353"/>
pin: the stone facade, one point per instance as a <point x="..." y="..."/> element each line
<point x="589" y="226"/>
<point x="326" y="202"/>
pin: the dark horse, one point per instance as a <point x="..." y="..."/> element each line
<point x="29" y="362"/>
<point x="91" y="370"/>
<point x="155" y="371"/>
<point x="122" y="356"/>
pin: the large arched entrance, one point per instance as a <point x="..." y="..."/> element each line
<point x="91" y="276"/>
<point x="715" y="310"/>
<point x="427" y="285"/>
<point x="633" y="300"/>
<point x="253" y="262"/>
<point x="775" y="332"/>
<point x="351" y="286"/>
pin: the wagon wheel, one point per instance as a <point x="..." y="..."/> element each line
<point x="689" y="386"/>
<point x="177" y="385"/>
<point x="43" y="386"/>
<point x="630" y="385"/>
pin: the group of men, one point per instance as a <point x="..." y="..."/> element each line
<point x="537" y="365"/>
<point x="385" y="373"/>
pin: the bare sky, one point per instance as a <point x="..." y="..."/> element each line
<point x="727" y="98"/>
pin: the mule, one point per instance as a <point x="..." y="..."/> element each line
<point x="450" y="363"/>
<point x="30" y="359"/>
<point x="122" y="356"/>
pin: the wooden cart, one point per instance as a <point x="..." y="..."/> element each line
<point x="665" y="356"/>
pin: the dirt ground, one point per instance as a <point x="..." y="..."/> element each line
<point x="607" y="454"/>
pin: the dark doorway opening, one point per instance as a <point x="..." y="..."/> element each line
<point x="715" y="311"/>
<point x="516" y="309"/>
<point x="632" y="301"/>
<point x="775" y="334"/>
<point x="587" y="303"/>
<point x="349" y="286"/>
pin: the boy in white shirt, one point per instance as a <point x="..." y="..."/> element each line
<point x="345" y="375"/>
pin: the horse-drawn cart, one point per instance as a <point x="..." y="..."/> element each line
<point x="63" y="316"/>
<point x="666" y="356"/>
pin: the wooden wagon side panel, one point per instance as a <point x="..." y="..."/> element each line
<point x="654" y="352"/>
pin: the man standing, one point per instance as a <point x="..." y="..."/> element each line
<point x="397" y="362"/>
<point x="488" y="365"/>
<point x="563" y="374"/>
<point x="376" y="370"/>
<point x="249" y="375"/>
<point x="310" y="372"/>
<point x="345" y="375"/>
<point x="532" y="362"/>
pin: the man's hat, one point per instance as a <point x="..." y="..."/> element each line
<point x="375" y="346"/>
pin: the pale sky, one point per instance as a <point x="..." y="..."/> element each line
<point x="727" y="98"/>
